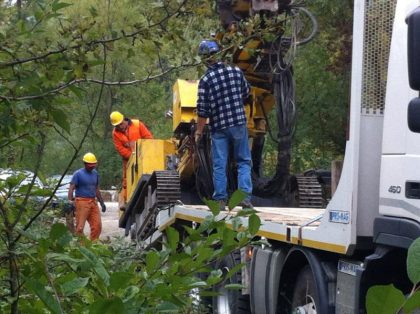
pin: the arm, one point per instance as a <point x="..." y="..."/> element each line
<point x="144" y="131"/>
<point x="203" y="107"/>
<point x="245" y="88"/>
<point x="99" y="198"/>
<point x="120" y="146"/>
<point x="200" y="125"/>
<point x="99" y="195"/>
<point x="70" y="192"/>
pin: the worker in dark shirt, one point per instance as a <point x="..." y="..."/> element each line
<point x="85" y="183"/>
<point x="221" y="94"/>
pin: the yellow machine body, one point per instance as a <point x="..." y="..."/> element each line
<point x="184" y="102"/>
<point x="150" y="155"/>
<point x="185" y="106"/>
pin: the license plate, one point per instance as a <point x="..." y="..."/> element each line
<point x="338" y="216"/>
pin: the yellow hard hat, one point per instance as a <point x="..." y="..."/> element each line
<point x="116" y="118"/>
<point x="89" y="158"/>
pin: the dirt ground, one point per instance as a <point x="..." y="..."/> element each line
<point x="110" y="227"/>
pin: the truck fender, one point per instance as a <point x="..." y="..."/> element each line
<point x="322" y="271"/>
<point x="266" y="266"/>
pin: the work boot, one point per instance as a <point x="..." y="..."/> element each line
<point x="246" y="204"/>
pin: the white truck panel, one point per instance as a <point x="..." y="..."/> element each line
<point x="401" y="147"/>
<point x="396" y="170"/>
<point x="396" y="136"/>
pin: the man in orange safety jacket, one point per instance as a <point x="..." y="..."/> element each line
<point x="125" y="134"/>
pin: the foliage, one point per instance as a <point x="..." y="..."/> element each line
<point x="73" y="274"/>
<point x="388" y="299"/>
<point x="322" y="76"/>
<point x="55" y="66"/>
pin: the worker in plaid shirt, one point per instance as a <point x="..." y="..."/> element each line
<point x="221" y="94"/>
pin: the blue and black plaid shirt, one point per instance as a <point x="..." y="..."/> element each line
<point x="221" y="92"/>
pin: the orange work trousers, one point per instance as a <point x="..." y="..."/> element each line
<point x="87" y="209"/>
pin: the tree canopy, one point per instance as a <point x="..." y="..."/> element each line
<point x="66" y="65"/>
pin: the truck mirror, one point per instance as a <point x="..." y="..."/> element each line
<point x="413" y="115"/>
<point x="413" y="48"/>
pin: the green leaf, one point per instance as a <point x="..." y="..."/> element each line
<point x="214" y="277"/>
<point x="234" y="270"/>
<point x="413" y="262"/>
<point x="38" y="15"/>
<point x="167" y="307"/>
<point x="27" y="234"/>
<point x="254" y="223"/>
<point x="60" y="234"/>
<point x="130" y="292"/>
<point x="74" y="285"/>
<point x="228" y="237"/>
<point x="93" y="11"/>
<point x="213" y="205"/>
<point x="57" y="231"/>
<point x="59" y="5"/>
<point x="197" y="284"/>
<point x="236" y="223"/>
<point x="96" y="263"/>
<point x="204" y="253"/>
<point x="130" y="53"/>
<point x="65" y="258"/>
<point x="245" y="212"/>
<point x="412" y="303"/>
<point x="173" y="238"/>
<point x="152" y="261"/>
<point x="104" y="306"/>
<point x="384" y="300"/>
<point x="77" y="91"/>
<point x="102" y="273"/>
<point x="119" y="280"/>
<point x="234" y="286"/>
<point x="237" y="197"/>
<point x="45" y="296"/>
<point x="60" y="118"/>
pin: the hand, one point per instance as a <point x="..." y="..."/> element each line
<point x="68" y="207"/>
<point x="197" y="137"/>
<point x="103" y="206"/>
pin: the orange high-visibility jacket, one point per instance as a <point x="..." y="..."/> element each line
<point x="135" y="130"/>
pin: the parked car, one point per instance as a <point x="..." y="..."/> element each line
<point x="60" y="195"/>
<point x="13" y="183"/>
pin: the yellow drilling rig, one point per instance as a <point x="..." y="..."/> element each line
<point x="164" y="171"/>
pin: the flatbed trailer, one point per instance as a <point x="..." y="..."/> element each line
<point x="279" y="224"/>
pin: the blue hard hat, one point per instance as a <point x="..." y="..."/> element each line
<point x="208" y="47"/>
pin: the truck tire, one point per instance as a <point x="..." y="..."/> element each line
<point x="305" y="296"/>
<point x="230" y="301"/>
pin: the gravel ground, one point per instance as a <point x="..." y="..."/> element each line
<point x="110" y="227"/>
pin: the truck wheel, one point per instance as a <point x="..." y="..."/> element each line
<point x="305" y="296"/>
<point x="230" y="301"/>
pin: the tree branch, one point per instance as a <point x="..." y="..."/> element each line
<point x="80" y="144"/>
<point x="59" y="88"/>
<point x="14" y="140"/>
<point x="93" y="43"/>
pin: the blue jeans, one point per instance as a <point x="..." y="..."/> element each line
<point x="221" y="139"/>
